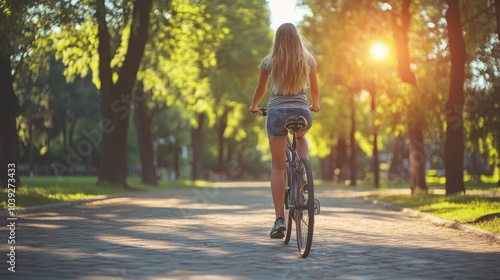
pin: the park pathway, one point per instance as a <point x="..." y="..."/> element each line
<point x="223" y="233"/>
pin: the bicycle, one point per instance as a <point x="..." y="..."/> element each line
<point x="299" y="203"/>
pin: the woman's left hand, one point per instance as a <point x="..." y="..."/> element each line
<point x="255" y="110"/>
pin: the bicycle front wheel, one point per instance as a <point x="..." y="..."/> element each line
<point x="305" y="208"/>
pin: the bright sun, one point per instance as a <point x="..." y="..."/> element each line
<point x="379" y="51"/>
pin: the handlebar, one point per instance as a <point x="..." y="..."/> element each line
<point x="264" y="112"/>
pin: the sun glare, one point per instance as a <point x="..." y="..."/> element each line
<point x="379" y="51"/>
<point x="285" y="11"/>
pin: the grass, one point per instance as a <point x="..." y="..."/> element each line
<point x="44" y="190"/>
<point x="479" y="208"/>
<point x="479" y="211"/>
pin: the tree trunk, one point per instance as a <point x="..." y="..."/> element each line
<point x="454" y="144"/>
<point x="177" y="166"/>
<point x="341" y="152"/>
<point x="498" y="159"/>
<point x="417" y="157"/>
<point x="197" y="146"/>
<point x="497" y="16"/>
<point x="229" y="154"/>
<point x="64" y="128"/>
<point x="352" y="142"/>
<point x="71" y="132"/>
<point x="401" y="25"/>
<point x="115" y="99"/>
<point x="330" y="164"/>
<point x="395" y="170"/>
<point x="233" y="166"/>
<point x="9" y="109"/>
<point x="31" y="160"/>
<point x="220" y="135"/>
<point x="142" y="122"/>
<point x="114" y="152"/>
<point x="341" y="163"/>
<point x="376" y="163"/>
<point x="326" y="173"/>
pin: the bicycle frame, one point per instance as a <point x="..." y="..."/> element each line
<point x="293" y="159"/>
<point x="296" y="171"/>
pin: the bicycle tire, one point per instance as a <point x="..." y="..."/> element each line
<point x="288" y="211"/>
<point x="305" y="213"/>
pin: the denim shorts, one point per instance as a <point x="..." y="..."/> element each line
<point x="276" y="117"/>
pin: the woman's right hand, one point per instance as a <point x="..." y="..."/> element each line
<point x="314" y="108"/>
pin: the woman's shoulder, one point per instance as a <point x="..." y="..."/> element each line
<point x="266" y="63"/>
<point x="312" y="61"/>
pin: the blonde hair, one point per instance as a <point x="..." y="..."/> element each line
<point x="290" y="62"/>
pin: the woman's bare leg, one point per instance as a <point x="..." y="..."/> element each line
<point x="302" y="144"/>
<point x="278" y="153"/>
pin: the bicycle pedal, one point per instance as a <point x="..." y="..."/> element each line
<point x="317" y="207"/>
<point x="277" y="235"/>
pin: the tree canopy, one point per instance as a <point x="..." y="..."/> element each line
<point x="73" y="65"/>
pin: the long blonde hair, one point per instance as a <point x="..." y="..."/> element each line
<point x="291" y="61"/>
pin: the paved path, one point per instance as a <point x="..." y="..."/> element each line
<point x="223" y="233"/>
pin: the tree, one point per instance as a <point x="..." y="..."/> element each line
<point x="454" y="145"/>
<point x="115" y="97"/>
<point x="341" y="33"/>
<point x="143" y="121"/>
<point x="53" y="112"/>
<point x="497" y="85"/>
<point x="107" y="40"/>
<point x="417" y="156"/>
<point x="233" y="80"/>
<point x="200" y="60"/>
<point x="11" y="13"/>
<point x="482" y="90"/>
<point x="9" y="110"/>
<point x="17" y="33"/>
<point x="181" y="62"/>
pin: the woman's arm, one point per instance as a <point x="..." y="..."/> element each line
<point x="313" y="83"/>
<point x="260" y="91"/>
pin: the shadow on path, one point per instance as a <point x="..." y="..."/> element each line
<point x="223" y="233"/>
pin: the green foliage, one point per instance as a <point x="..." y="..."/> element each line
<point x="203" y="57"/>
<point x="53" y="112"/>
<point x="238" y="57"/>
<point x="180" y="53"/>
<point x="340" y="34"/>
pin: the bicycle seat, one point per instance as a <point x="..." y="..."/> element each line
<point x="295" y="123"/>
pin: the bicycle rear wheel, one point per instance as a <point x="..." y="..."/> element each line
<point x="305" y="210"/>
<point x="288" y="211"/>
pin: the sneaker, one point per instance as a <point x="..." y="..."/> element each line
<point x="317" y="207"/>
<point x="278" y="228"/>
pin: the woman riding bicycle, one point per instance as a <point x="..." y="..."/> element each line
<point x="291" y="67"/>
